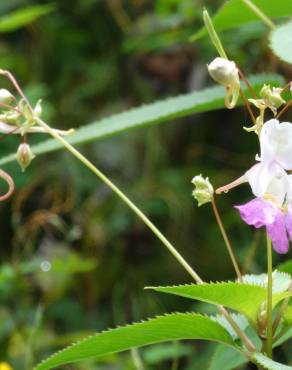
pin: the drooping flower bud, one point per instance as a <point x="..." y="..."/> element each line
<point x="225" y="73"/>
<point x="24" y="155"/>
<point x="5" y="96"/>
<point x="203" y="191"/>
<point x="272" y="96"/>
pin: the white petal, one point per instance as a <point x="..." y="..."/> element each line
<point x="276" y="143"/>
<point x="268" y="178"/>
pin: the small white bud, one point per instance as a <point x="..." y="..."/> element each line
<point x="223" y="71"/>
<point x="226" y="73"/>
<point x="24" y="155"/>
<point x="5" y="96"/>
<point x="203" y="191"/>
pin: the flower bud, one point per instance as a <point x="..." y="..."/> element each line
<point x="203" y="191"/>
<point x="225" y="73"/>
<point x="5" y="96"/>
<point x="272" y="96"/>
<point x="24" y="155"/>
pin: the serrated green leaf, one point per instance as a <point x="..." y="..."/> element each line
<point x="244" y="298"/>
<point x="269" y="364"/>
<point x="21" y="17"/>
<point x="288" y="316"/>
<point x="158" y="112"/>
<point x="164" y="328"/>
<point x="235" y="13"/>
<point x="281" y="42"/>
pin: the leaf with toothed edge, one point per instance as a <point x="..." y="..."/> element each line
<point x="154" y="113"/>
<point x="170" y="327"/>
<point x="244" y="298"/>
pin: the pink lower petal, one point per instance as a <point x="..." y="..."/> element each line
<point x="258" y="212"/>
<point x="278" y="234"/>
<point x="288" y="222"/>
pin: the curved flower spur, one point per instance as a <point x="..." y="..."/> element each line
<point x="19" y="117"/>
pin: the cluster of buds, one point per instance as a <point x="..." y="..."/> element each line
<point x="18" y="117"/>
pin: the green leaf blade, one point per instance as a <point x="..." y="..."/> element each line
<point x="21" y="17"/>
<point x="281" y="42"/>
<point x="235" y="13"/>
<point x="164" y="328"/>
<point x="157" y="112"/>
<point x="244" y="298"/>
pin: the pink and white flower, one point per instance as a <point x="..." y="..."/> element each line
<point x="271" y="185"/>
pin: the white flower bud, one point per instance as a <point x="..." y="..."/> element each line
<point x="24" y="155"/>
<point x="226" y="73"/>
<point x="203" y="191"/>
<point x="223" y="71"/>
<point x="5" y="96"/>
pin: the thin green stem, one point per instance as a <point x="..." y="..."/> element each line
<point x="269" y="324"/>
<point x="260" y="14"/>
<point x="213" y="34"/>
<point x="226" y="240"/>
<point x="124" y="198"/>
<point x="137" y="361"/>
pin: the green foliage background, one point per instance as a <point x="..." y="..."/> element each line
<point x="89" y="59"/>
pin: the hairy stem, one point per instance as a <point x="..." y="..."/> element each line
<point x="260" y="14"/>
<point x="226" y="240"/>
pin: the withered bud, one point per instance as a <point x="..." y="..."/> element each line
<point x="24" y="155"/>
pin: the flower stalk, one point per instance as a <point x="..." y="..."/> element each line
<point x="260" y="14"/>
<point x="269" y="322"/>
<point x="226" y="240"/>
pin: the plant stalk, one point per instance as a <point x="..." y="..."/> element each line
<point x="269" y="322"/>
<point x="260" y="14"/>
<point x="226" y="240"/>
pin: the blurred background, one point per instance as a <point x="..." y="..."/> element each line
<point x="74" y="259"/>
